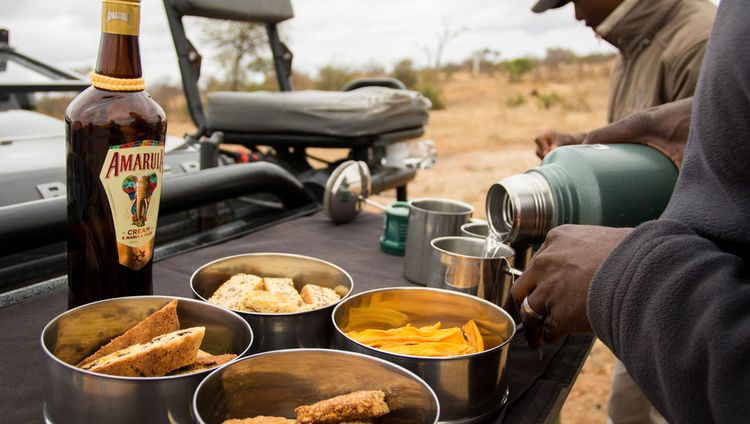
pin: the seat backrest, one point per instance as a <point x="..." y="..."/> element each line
<point x="268" y="11"/>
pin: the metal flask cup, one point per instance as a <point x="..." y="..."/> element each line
<point x="461" y="264"/>
<point x="429" y="219"/>
<point x="615" y="185"/>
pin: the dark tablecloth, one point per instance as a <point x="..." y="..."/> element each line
<point x="537" y="388"/>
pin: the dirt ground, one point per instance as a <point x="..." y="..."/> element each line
<point x="486" y="133"/>
<point x="480" y="139"/>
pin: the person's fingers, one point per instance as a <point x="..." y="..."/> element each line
<point x="631" y="129"/>
<point x="524" y="285"/>
<point x="533" y="331"/>
<point x="534" y="328"/>
<point x="542" y="145"/>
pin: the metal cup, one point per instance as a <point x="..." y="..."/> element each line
<point x="459" y="264"/>
<point x="429" y="219"/>
<point x="478" y="229"/>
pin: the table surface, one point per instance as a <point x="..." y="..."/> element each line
<point x="537" y="388"/>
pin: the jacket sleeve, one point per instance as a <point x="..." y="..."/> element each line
<point x="681" y="72"/>
<point x="675" y="307"/>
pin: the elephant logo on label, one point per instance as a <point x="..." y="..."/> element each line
<point x="139" y="190"/>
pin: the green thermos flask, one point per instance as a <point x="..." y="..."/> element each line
<point x="614" y="185"/>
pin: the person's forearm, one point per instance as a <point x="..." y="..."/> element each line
<point x="673" y="308"/>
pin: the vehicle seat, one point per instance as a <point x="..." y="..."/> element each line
<point x="365" y="111"/>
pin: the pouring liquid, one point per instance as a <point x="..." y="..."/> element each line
<point x="493" y="245"/>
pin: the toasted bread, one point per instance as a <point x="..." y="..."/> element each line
<point x="160" y="322"/>
<point x="204" y="361"/>
<point x="355" y="406"/>
<point x="155" y="358"/>
<point x="318" y="296"/>
<point x="232" y="291"/>
<point x="260" y="420"/>
<point x="268" y="302"/>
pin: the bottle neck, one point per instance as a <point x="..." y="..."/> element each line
<point x="119" y="56"/>
<point x="119" y="52"/>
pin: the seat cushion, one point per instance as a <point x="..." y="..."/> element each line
<point x="365" y="111"/>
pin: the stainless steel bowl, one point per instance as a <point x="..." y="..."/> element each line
<point x="471" y="387"/>
<point x="274" y="383"/>
<point x="78" y="396"/>
<point x="310" y="329"/>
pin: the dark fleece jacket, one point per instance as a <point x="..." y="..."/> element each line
<point x="673" y="299"/>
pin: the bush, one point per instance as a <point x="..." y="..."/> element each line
<point x="549" y="100"/>
<point x="518" y="67"/>
<point x="515" y="101"/>
<point x="333" y="78"/>
<point x="404" y="71"/>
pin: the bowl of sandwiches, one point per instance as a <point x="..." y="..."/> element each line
<point x="136" y="359"/>
<point x="314" y="386"/>
<point x="456" y="342"/>
<point x="287" y="299"/>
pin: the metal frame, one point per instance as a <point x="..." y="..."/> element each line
<point x="64" y="80"/>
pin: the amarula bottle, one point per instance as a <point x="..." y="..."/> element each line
<point x="115" y="149"/>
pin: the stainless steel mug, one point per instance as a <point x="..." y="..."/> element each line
<point x="428" y="219"/>
<point x="478" y="229"/>
<point x="459" y="264"/>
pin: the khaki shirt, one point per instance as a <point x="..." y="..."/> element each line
<point x="661" y="45"/>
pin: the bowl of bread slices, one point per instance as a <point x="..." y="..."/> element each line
<point x="287" y="299"/>
<point x="136" y="359"/>
<point x="314" y="386"/>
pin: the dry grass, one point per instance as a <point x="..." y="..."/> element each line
<point x="481" y="139"/>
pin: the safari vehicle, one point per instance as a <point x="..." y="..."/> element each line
<point x="207" y="198"/>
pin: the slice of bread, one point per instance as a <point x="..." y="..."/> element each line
<point x="268" y="302"/>
<point x="355" y="406"/>
<point x="155" y="358"/>
<point x="160" y="322"/>
<point x="280" y="285"/>
<point x="232" y="291"/>
<point x="204" y="361"/>
<point x="318" y="296"/>
<point x="261" y="420"/>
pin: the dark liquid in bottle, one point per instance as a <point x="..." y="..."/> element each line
<point x="96" y="120"/>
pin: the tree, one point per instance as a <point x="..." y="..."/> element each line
<point x="518" y="67"/>
<point x="557" y="56"/>
<point x="238" y="45"/>
<point x="443" y="37"/>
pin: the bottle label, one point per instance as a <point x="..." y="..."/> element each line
<point x="132" y="177"/>
<point x="121" y="17"/>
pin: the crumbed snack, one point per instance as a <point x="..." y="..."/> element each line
<point x="204" y="361"/>
<point x="232" y="291"/>
<point x="160" y="322"/>
<point x="268" y="302"/>
<point x="152" y="359"/>
<point x="280" y="285"/>
<point x="260" y="420"/>
<point x="318" y="296"/>
<point x="361" y="405"/>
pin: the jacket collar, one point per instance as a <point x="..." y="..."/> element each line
<point x="633" y="24"/>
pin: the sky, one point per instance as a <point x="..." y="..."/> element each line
<point x="352" y="33"/>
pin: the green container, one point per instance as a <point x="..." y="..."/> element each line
<point x="393" y="240"/>
<point x="615" y="185"/>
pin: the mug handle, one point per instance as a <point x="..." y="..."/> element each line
<point x="514" y="273"/>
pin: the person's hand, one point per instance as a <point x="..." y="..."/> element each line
<point x="548" y="140"/>
<point x="558" y="277"/>
<point x="665" y="128"/>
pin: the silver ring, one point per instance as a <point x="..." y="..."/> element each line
<point x="528" y="312"/>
